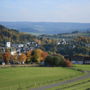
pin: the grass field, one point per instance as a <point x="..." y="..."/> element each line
<point x="82" y="67"/>
<point x="24" y="78"/>
<point x="80" y="85"/>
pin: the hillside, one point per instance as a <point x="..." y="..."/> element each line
<point x="14" y="36"/>
<point x="47" y="27"/>
<point x="66" y="36"/>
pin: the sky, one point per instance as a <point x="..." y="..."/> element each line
<point x="45" y="10"/>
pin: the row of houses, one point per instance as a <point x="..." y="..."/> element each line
<point x="20" y="48"/>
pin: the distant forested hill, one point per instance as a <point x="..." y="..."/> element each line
<point x="14" y="36"/>
<point x="47" y="27"/>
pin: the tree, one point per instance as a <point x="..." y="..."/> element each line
<point x="1" y="57"/>
<point x="14" y="58"/>
<point x="68" y="63"/>
<point x="43" y="56"/>
<point x="22" y="58"/>
<point x="38" y="55"/>
<point x="83" y="39"/>
<point x="57" y="60"/>
<point x="29" y="56"/>
<point x="7" y="56"/>
<point x="54" y="60"/>
<point x="49" y="60"/>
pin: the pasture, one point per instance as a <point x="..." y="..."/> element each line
<point x="24" y="78"/>
<point x="82" y="67"/>
<point x="78" y="85"/>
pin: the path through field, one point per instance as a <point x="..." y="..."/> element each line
<point x="64" y="82"/>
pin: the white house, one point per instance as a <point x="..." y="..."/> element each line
<point x="8" y="44"/>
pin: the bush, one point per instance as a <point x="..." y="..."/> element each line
<point x="68" y="63"/>
<point x="57" y="60"/>
<point x="54" y="60"/>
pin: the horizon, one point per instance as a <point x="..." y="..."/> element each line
<point x="72" y="11"/>
<point x="41" y="22"/>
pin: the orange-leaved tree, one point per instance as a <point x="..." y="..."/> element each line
<point x="22" y="58"/>
<point x="43" y="56"/>
<point x="7" y="56"/>
<point x="38" y="55"/>
<point x="14" y="58"/>
<point x="68" y="63"/>
<point x="29" y="56"/>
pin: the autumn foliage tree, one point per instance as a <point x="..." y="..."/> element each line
<point x="83" y="39"/>
<point x="1" y="56"/>
<point x="38" y="55"/>
<point x="14" y="58"/>
<point x="29" y="56"/>
<point x="22" y="58"/>
<point x="7" y="56"/>
<point x="43" y="56"/>
<point x="68" y="63"/>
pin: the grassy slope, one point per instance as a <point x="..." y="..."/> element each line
<point x="23" y="78"/>
<point x="80" y="85"/>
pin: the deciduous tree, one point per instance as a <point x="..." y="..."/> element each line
<point x="7" y="56"/>
<point x="22" y="58"/>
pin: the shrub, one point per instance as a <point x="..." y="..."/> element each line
<point x="68" y="63"/>
<point x="54" y="60"/>
<point x="57" y="60"/>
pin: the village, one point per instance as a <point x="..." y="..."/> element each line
<point x="29" y="46"/>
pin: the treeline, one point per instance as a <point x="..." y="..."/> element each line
<point x="35" y="56"/>
<point x="30" y="56"/>
<point x="14" y="36"/>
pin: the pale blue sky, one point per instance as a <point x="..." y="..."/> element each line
<point x="45" y="10"/>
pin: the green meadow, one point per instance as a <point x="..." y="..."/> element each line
<point x="82" y="67"/>
<point x="78" y="85"/>
<point x="24" y="78"/>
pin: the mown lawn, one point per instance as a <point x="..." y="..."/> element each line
<point x="79" y="85"/>
<point x="24" y="78"/>
<point x="82" y="67"/>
